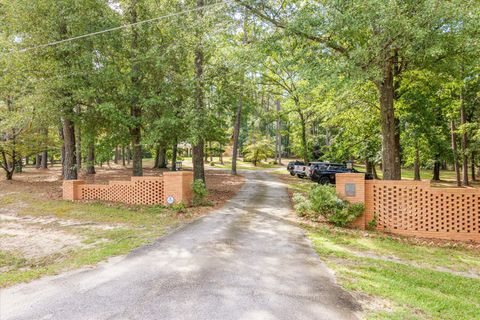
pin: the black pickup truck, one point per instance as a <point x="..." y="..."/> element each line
<point x="324" y="173"/>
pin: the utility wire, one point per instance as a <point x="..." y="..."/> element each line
<point x="99" y="71"/>
<point x="54" y="43"/>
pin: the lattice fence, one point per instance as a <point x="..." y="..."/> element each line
<point x="148" y="192"/>
<point x="418" y="209"/>
<point x="140" y="190"/>
<point x="415" y="208"/>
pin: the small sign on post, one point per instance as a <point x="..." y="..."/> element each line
<point x="350" y="189"/>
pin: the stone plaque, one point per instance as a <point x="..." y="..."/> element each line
<point x="350" y="189"/>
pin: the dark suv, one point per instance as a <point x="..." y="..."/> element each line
<point x="291" y="166"/>
<point x="324" y="173"/>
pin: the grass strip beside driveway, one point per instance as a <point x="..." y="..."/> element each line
<point x="417" y="281"/>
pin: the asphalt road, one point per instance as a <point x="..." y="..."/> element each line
<point x="244" y="261"/>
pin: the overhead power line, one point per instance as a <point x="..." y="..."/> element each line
<point x="54" y="43"/>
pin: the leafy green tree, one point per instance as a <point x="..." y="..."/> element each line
<point x="261" y="148"/>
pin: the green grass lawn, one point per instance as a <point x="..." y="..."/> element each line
<point x="420" y="282"/>
<point x="128" y="228"/>
<point x="241" y="165"/>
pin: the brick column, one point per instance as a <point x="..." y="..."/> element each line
<point x="178" y="184"/>
<point x="71" y="189"/>
<point x="351" y="187"/>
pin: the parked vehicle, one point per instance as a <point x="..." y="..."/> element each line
<point x="303" y="171"/>
<point x="324" y="173"/>
<point x="291" y="166"/>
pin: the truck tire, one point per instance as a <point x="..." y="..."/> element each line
<point x="324" y="181"/>
<point x="292" y="173"/>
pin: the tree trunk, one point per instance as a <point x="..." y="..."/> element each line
<point x="455" y="154"/>
<point x="5" y="165"/>
<point x="123" y="156"/>
<point x="374" y="171"/>
<point x="278" y="136"/>
<point x="156" y="163"/>
<point x="162" y="158"/>
<point x="78" y="147"/>
<point x="464" y="142"/>
<point x="44" y="159"/>
<point x="236" y="134"/>
<point x="238" y="113"/>
<point x="129" y="155"/>
<point x="91" y="158"/>
<point x="198" y="165"/>
<point x="116" y="158"/>
<point x="390" y="142"/>
<point x="69" y="161"/>
<point x="304" y="135"/>
<point x="174" y="155"/>
<point x="137" y="152"/>
<point x="416" y="165"/>
<point x="45" y="150"/>
<point x="135" y="108"/>
<point x="197" y="158"/>
<point x="472" y="161"/>
<point x="38" y="161"/>
<point x="436" y="170"/>
<point x="62" y="150"/>
<point x="220" y="155"/>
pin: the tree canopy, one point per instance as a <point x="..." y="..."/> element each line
<point x="385" y="83"/>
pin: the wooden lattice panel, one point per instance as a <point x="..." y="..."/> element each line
<point x="415" y="208"/>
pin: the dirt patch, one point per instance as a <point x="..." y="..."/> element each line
<point x="35" y="241"/>
<point x="39" y="236"/>
<point x="222" y="186"/>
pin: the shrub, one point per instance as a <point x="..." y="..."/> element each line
<point x="200" y="193"/>
<point x="301" y="204"/>
<point x="322" y="201"/>
<point x="350" y="212"/>
<point x="178" y="207"/>
<point x="372" y="224"/>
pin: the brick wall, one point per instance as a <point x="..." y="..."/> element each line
<point x="139" y="190"/>
<point x="415" y="208"/>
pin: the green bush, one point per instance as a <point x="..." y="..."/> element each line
<point x="350" y="212"/>
<point x="372" y="224"/>
<point x="178" y="207"/>
<point x="200" y="193"/>
<point x="301" y="204"/>
<point x="322" y="201"/>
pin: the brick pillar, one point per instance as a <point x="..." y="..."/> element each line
<point x="351" y="187"/>
<point x="178" y="184"/>
<point x="71" y="189"/>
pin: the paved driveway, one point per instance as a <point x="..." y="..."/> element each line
<point x="244" y="261"/>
